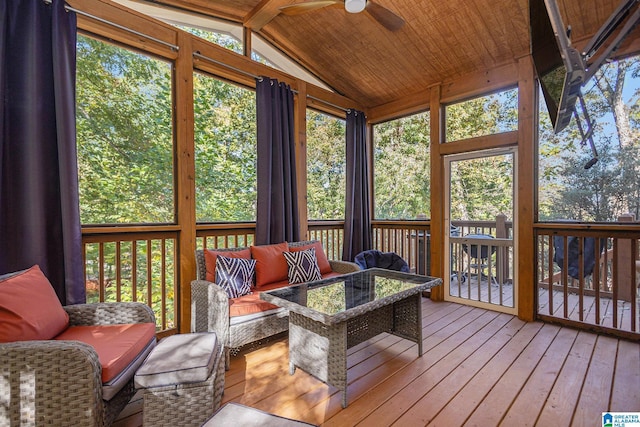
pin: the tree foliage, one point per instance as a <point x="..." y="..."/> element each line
<point x="226" y="153"/>
<point x="612" y="186"/>
<point x="326" y="145"/>
<point x="402" y="168"/>
<point x="124" y="135"/>
<point x="484" y="115"/>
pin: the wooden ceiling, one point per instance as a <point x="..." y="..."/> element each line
<point x="440" y="41"/>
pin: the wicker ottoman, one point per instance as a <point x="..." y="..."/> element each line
<point x="182" y="380"/>
<point x="236" y="415"/>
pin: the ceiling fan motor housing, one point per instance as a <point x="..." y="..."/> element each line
<point x="355" y="6"/>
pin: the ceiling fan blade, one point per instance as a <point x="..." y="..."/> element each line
<point x="300" y="8"/>
<point x="384" y="16"/>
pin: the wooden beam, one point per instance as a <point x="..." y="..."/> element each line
<point x="497" y="140"/>
<point x="401" y="107"/>
<point x="224" y="13"/>
<point x="526" y="182"/>
<point x="481" y="83"/>
<point x="117" y="14"/>
<point x="263" y="13"/>
<point x="247" y="38"/>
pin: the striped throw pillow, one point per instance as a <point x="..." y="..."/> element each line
<point x="235" y="275"/>
<point x="302" y="266"/>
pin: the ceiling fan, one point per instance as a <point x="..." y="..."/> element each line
<point x="384" y="16"/>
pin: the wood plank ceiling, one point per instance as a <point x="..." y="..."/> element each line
<point x="440" y="41"/>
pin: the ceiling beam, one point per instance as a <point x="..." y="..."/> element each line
<point x="263" y="13"/>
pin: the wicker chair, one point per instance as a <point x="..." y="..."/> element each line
<point x="210" y="309"/>
<point x="59" y="382"/>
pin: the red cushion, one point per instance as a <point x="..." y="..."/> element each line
<point x="210" y="257"/>
<point x="30" y="308"/>
<point x="323" y="262"/>
<point x="117" y="345"/>
<point x="251" y="304"/>
<point x="248" y="304"/>
<point x="270" y="263"/>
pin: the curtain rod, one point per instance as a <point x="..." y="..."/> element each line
<point x="113" y="24"/>
<point x="238" y="70"/>
<point x="329" y="103"/>
<point x="248" y="74"/>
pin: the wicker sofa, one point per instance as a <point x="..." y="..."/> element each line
<point x="210" y="305"/>
<point x="59" y="381"/>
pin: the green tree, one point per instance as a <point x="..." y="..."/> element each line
<point x="482" y="188"/>
<point x="225" y="151"/>
<point x="401" y="167"/>
<point x="124" y="135"/>
<point x="483" y="115"/>
<point x="325" y="166"/>
<point x="612" y="186"/>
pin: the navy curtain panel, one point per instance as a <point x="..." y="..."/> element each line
<point x="39" y="208"/>
<point x="277" y="217"/>
<point x="357" y="221"/>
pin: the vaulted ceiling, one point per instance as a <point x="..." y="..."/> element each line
<point x="441" y="40"/>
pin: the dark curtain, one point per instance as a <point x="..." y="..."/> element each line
<point x="277" y="211"/>
<point x="39" y="208"/>
<point x="357" y="221"/>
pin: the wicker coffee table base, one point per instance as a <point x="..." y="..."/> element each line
<point x="321" y="350"/>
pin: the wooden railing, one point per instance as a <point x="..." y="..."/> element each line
<point x="588" y="275"/>
<point x="133" y="264"/>
<point x="140" y="264"/>
<point x="225" y="235"/>
<point x="410" y="239"/>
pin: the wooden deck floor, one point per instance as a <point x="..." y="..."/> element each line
<point x="479" y="368"/>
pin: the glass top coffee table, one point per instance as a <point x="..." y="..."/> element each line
<point x="327" y="317"/>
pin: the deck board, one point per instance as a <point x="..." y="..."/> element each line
<point x="497" y="401"/>
<point x="479" y="368"/>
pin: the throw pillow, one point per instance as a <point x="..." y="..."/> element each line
<point x="210" y="256"/>
<point x="30" y="308"/>
<point x="302" y="266"/>
<point x="270" y="264"/>
<point x="235" y="275"/>
<point x="323" y="262"/>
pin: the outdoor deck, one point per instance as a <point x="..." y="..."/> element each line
<point x="479" y="368"/>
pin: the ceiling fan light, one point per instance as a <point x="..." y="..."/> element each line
<point x="355" y="6"/>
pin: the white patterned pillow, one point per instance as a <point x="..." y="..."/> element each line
<point x="235" y="275"/>
<point x="302" y="266"/>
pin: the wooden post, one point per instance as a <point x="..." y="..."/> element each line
<point x="301" y="157"/>
<point x="437" y="194"/>
<point x="185" y="178"/>
<point x="524" y="214"/>
<point x="625" y="262"/>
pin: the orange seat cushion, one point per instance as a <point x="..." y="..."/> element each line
<point x="30" y="308"/>
<point x="248" y="304"/>
<point x="270" y="263"/>
<point x="252" y="304"/>
<point x="210" y="257"/>
<point x="117" y="345"/>
<point x="321" y="257"/>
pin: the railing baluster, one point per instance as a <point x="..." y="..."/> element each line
<point x="163" y="283"/>
<point x="118" y="271"/>
<point x="101" y="281"/>
<point x="134" y="270"/>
